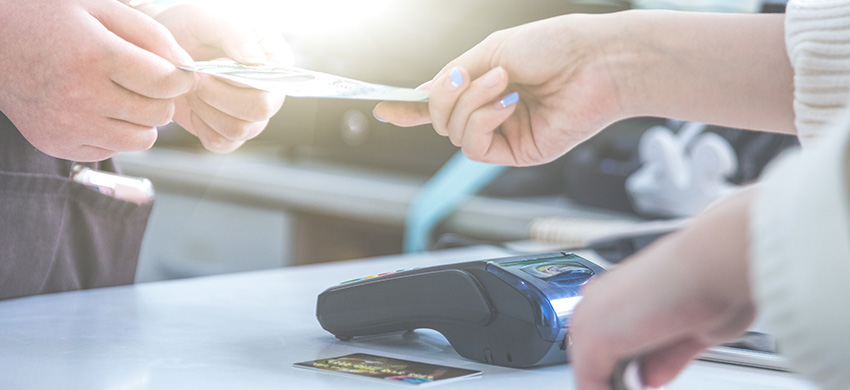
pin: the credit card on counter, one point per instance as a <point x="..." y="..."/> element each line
<point x="389" y="369"/>
<point x="299" y="82"/>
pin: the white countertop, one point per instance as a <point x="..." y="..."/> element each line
<point x="244" y="331"/>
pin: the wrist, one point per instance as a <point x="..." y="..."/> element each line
<point x="635" y="51"/>
<point x="617" y="49"/>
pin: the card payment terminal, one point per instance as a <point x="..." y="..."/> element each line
<point x="510" y="312"/>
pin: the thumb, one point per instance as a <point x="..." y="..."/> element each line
<point x="142" y="31"/>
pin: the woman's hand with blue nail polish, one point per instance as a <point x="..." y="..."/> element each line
<point x="523" y="96"/>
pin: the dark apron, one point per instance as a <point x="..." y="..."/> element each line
<point x="56" y="234"/>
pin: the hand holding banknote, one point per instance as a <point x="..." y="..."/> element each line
<point x="84" y="79"/>
<point x="523" y="96"/>
<point x="221" y="113"/>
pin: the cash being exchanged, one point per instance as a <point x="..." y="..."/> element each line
<point x="299" y="82"/>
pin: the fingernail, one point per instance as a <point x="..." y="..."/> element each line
<point x="456" y="77"/>
<point x="509" y="99"/>
<point x="377" y="117"/>
<point x="493" y="77"/>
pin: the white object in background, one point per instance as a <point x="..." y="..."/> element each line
<point x="681" y="175"/>
<point x="575" y="232"/>
<point x="742" y="6"/>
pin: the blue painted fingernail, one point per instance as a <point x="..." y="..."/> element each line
<point x="456" y="77"/>
<point x="509" y="99"/>
<point x="377" y="117"/>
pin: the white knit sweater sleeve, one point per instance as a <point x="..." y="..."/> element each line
<point x="817" y="34"/>
<point x="800" y="222"/>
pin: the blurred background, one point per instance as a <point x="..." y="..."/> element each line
<point x="328" y="182"/>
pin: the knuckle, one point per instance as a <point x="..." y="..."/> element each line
<point x="167" y="114"/>
<point x="455" y="140"/>
<point x="226" y="147"/>
<point x="159" y="113"/>
<point x="491" y="39"/>
<point x="147" y="113"/>
<point x="147" y="139"/>
<point x="440" y="128"/>
<point x="534" y="157"/>
<point x="474" y="154"/>
<point x="176" y="84"/>
<point x="234" y="130"/>
<point x="172" y="84"/>
<point x="262" y="110"/>
<point x="256" y="128"/>
<point x="497" y="36"/>
<point x="215" y="143"/>
<point x="138" y="139"/>
<point x="155" y="30"/>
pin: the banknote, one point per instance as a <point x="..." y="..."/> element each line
<point x="294" y="81"/>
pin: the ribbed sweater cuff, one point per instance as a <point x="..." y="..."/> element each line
<point x="818" y="43"/>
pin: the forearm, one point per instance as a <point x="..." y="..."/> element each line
<point x="723" y="69"/>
